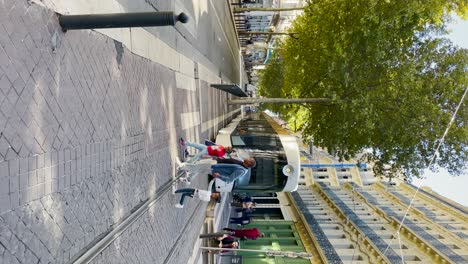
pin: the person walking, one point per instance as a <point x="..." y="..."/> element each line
<point x="231" y="172"/>
<point x="225" y="242"/>
<point x="246" y="233"/>
<point x="212" y="150"/>
<point x="203" y="195"/>
<point x="225" y="171"/>
<point x="192" y="169"/>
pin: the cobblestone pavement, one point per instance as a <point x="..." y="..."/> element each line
<point x="88" y="131"/>
<point x="149" y="240"/>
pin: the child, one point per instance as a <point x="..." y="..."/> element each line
<point x="204" y="195"/>
<point x="215" y="150"/>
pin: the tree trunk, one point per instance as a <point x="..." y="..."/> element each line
<point x="278" y="100"/>
<point x="239" y="10"/>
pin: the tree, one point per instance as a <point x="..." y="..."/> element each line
<point x="393" y="79"/>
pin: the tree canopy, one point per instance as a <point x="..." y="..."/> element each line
<point x="393" y="78"/>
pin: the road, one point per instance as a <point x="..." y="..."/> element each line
<point x="89" y="122"/>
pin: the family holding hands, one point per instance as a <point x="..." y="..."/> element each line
<point x="223" y="167"/>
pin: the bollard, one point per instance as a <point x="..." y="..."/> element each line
<point x="144" y="19"/>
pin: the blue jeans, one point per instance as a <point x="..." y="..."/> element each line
<point x="228" y="172"/>
<point x="185" y="192"/>
<point x="202" y="148"/>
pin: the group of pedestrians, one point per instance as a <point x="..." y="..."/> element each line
<point x="224" y="166"/>
<point x="246" y="206"/>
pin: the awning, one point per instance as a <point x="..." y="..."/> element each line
<point x="230" y="88"/>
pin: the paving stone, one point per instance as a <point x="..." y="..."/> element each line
<point x="14" y="199"/>
<point x="23" y="181"/>
<point x="8" y="258"/>
<point x="4" y="203"/>
<point x="4" y="185"/>
<point x="4" y="171"/>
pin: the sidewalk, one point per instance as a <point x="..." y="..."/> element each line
<point x="217" y="217"/>
<point x="88" y="131"/>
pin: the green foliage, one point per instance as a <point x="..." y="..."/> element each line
<point x="393" y="79"/>
<point x="271" y="84"/>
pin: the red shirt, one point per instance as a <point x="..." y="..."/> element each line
<point x="216" y="151"/>
<point x="248" y="233"/>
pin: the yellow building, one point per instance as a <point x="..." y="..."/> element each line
<point x="346" y="215"/>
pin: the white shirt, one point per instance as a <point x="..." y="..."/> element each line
<point x="204" y="195"/>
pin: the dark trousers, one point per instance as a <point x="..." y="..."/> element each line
<point x="240" y="220"/>
<point x="185" y="192"/>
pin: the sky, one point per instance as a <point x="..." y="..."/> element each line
<point x="452" y="187"/>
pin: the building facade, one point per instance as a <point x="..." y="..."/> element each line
<point x="281" y="235"/>
<point x="343" y="214"/>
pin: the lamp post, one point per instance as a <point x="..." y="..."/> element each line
<point x="239" y="10"/>
<point x="264" y="33"/>
<point x="278" y="101"/>
<point x="121" y="20"/>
